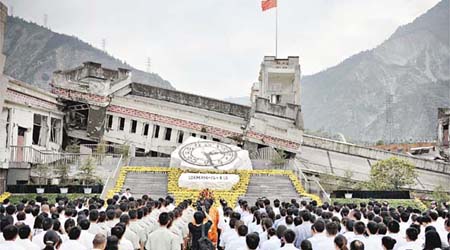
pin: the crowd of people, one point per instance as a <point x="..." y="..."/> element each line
<point x="128" y="223"/>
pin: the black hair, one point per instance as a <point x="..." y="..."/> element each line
<point x="356" y="245"/>
<point x="9" y="232"/>
<point x="252" y="240"/>
<point x="341" y="242"/>
<point x="373" y="227"/>
<point x="117" y="231"/>
<point x="359" y="227"/>
<point x="412" y="233"/>
<point x="289" y="236"/>
<point x="319" y="226"/>
<point x="51" y="240"/>
<point x="93" y="215"/>
<point x="432" y="240"/>
<point x="306" y="245"/>
<point x="242" y="230"/>
<point x="388" y="242"/>
<point x="74" y="233"/>
<point x="393" y="226"/>
<point x="199" y="217"/>
<point x="24" y="231"/>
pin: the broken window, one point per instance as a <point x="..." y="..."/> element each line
<point x="155" y="131"/>
<point x="215" y="139"/>
<point x="180" y="136"/>
<point x="168" y="134"/>
<point x="445" y="141"/>
<point x="275" y="99"/>
<point x="203" y="137"/>
<point x="55" y="131"/>
<point x="121" y="123"/>
<point x="40" y="130"/>
<point x="133" y="126"/>
<point x="194" y="135"/>
<point x="109" y="122"/>
<point x="145" y="130"/>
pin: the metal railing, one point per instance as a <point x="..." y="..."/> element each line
<point x="311" y="185"/>
<point x="28" y="154"/>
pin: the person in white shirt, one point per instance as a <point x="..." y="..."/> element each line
<point x="411" y="240"/>
<point x="359" y="229"/>
<point x="251" y="241"/>
<point x="289" y="238"/>
<point x="162" y="238"/>
<point x="124" y="244"/>
<point x="99" y="242"/>
<point x="239" y="242"/>
<point x="303" y="231"/>
<point x="319" y="234"/>
<point x="274" y="242"/>
<point x="127" y="193"/>
<point x="266" y="224"/>
<point x="25" y="238"/>
<point x="394" y="229"/>
<point x="86" y="238"/>
<point x="230" y="233"/>
<point x="10" y="236"/>
<point x="73" y="242"/>
<point x="47" y="224"/>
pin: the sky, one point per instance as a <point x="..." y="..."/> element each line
<point x="215" y="47"/>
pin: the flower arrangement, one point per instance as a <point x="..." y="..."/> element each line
<point x="230" y="196"/>
<point x="206" y="194"/>
<point x="4" y="196"/>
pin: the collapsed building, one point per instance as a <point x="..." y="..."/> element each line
<point x="104" y="105"/>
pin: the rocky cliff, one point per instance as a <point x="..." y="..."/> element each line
<point x="412" y="66"/>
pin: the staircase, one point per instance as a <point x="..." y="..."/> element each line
<point x="272" y="187"/>
<point x="152" y="184"/>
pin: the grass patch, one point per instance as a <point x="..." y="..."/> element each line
<point x="414" y="203"/>
<point x="17" y="198"/>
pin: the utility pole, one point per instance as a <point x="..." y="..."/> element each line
<point x="389" y="119"/>
<point x="149" y="65"/>
<point x="104" y="44"/>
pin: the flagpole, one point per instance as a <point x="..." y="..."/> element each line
<point x="276" y="31"/>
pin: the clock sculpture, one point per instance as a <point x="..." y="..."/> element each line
<point x="207" y="154"/>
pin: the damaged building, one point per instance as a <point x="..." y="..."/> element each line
<point x="104" y="105"/>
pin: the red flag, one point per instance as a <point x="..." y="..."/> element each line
<point x="268" y="4"/>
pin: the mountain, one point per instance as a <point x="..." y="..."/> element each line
<point x="34" y="53"/>
<point x="391" y="92"/>
<point x="243" y="100"/>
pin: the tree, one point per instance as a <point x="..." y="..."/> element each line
<point x="87" y="171"/>
<point x="440" y="195"/>
<point x="391" y="174"/>
<point x="63" y="169"/>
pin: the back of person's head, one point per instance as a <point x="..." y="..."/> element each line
<point x="359" y="227"/>
<point x="388" y="242"/>
<point x="47" y="224"/>
<point x="306" y="245"/>
<point x="164" y="219"/>
<point x="332" y="228"/>
<point x="199" y="217"/>
<point x="319" y="226"/>
<point x="356" y="245"/>
<point x="51" y="240"/>
<point x="112" y="243"/>
<point x="10" y="232"/>
<point x="74" y="233"/>
<point x="84" y="224"/>
<point x="340" y="242"/>
<point x="280" y="231"/>
<point x="393" y="226"/>
<point x="349" y="225"/>
<point x="99" y="241"/>
<point x="93" y="215"/>
<point x="412" y="234"/>
<point x="432" y="240"/>
<point x="404" y="216"/>
<point x="117" y="231"/>
<point x="252" y="241"/>
<point x="372" y="227"/>
<point x="242" y="230"/>
<point x="125" y="218"/>
<point x="24" y="231"/>
<point x="289" y="236"/>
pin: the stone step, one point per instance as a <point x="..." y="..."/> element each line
<point x="153" y="184"/>
<point x="150" y="161"/>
